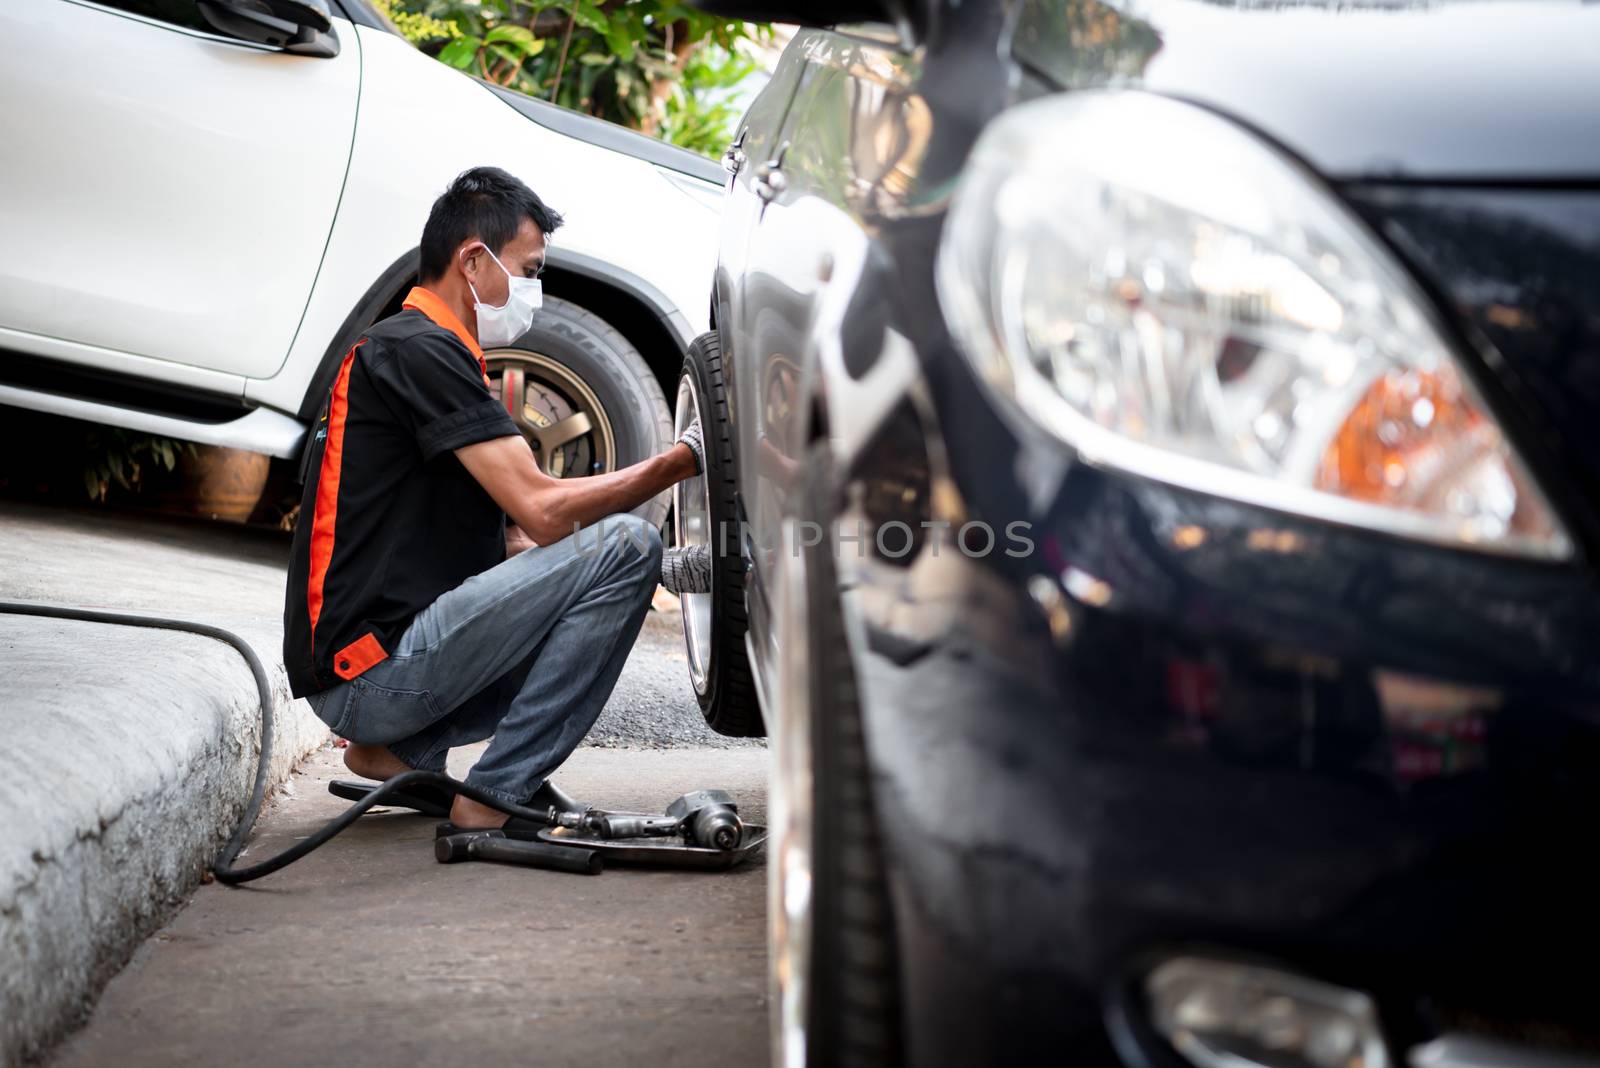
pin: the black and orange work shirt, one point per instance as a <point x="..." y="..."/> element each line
<point x="389" y="518"/>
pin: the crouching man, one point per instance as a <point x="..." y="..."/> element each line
<point x="417" y="617"/>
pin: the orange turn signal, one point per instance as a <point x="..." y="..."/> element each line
<point x="1417" y="440"/>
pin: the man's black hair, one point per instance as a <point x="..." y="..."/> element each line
<point x="485" y="203"/>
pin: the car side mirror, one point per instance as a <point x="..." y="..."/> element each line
<point x="303" y="27"/>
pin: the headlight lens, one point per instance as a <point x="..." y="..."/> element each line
<point x="1220" y="1014"/>
<point x="1176" y="298"/>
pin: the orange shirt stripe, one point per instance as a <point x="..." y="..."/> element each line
<point x="325" y="511"/>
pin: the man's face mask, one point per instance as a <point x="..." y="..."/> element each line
<point x="503" y="325"/>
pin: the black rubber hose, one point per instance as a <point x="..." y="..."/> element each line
<point x="223" y="868"/>
<point x="398" y="784"/>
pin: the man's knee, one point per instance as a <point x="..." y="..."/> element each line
<point x="638" y="542"/>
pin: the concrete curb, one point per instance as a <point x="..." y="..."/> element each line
<point x="121" y="779"/>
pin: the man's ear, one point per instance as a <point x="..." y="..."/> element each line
<point x="470" y="258"/>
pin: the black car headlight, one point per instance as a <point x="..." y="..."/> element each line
<point x="1176" y="298"/>
<point x="1225" y="1014"/>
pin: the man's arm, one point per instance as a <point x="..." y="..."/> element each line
<point x="547" y="508"/>
<point x="516" y="541"/>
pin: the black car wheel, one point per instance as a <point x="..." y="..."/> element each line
<point x="705" y="512"/>
<point x="582" y="396"/>
<point x="831" y="942"/>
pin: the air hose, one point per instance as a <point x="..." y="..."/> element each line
<point x="223" y="868"/>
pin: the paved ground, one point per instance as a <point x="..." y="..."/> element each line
<point x="370" y="953"/>
<point x="502" y="965"/>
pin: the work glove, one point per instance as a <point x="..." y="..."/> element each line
<point x="687" y="569"/>
<point x="695" y="439"/>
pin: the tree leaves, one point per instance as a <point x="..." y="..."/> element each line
<point x="588" y="16"/>
<point x="620" y="40"/>
<point x="657" y="65"/>
<point x="418" y="29"/>
<point x="113" y="455"/>
<point x="520" y="36"/>
<point x="460" y="52"/>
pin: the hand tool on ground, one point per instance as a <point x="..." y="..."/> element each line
<point x="699" y="831"/>
<point x="495" y="846"/>
<point x="708" y="819"/>
<point x="705" y="818"/>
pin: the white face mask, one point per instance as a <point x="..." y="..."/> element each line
<point x="503" y="325"/>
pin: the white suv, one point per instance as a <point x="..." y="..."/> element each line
<point x="204" y="202"/>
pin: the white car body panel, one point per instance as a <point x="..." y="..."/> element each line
<point x="256" y="429"/>
<point x="207" y="214"/>
<point x="163" y="187"/>
<point x="126" y="363"/>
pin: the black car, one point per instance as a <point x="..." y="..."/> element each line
<point x="1155" y="504"/>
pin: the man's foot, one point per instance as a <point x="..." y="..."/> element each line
<point x="468" y="815"/>
<point x="373" y="762"/>
<point x="687" y="569"/>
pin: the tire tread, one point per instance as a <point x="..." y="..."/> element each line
<point x="729" y="705"/>
<point x="855" y="1007"/>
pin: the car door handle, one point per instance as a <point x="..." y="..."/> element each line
<point x="770" y="182"/>
<point x="733" y="159"/>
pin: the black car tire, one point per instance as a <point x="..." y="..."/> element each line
<point x="728" y="700"/>
<point x="853" y="1011"/>
<point x="623" y="387"/>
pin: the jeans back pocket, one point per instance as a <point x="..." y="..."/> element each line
<point x="378" y="715"/>
<point x="331" y="706"/>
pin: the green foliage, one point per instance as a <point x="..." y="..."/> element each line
<point x="693" y="118"/>
<point x="650" y="64"/>
<point x="417" y="28"/>
<point x="111" y="454"/>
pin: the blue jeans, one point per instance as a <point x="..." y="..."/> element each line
<point x="527" y="652"/>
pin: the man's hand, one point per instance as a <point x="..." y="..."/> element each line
<point x="695" y="439"/>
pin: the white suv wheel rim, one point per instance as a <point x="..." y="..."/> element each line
<point x="563" y="420"/>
